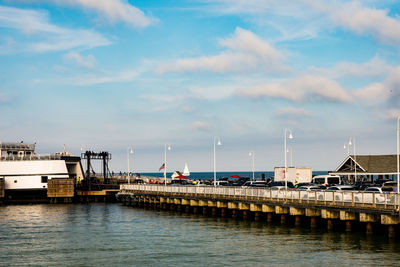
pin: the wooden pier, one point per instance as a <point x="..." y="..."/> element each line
<point x="328" y="208"/>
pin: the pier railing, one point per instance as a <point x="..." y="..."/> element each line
<point x="359" y="199"/>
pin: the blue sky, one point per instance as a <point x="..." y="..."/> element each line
<point x="113" y="74"/>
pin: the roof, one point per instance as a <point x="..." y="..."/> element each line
<point x="369" y="164"/>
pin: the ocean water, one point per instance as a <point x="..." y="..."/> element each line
<point x="114" y="235"/>
<point x="210" y="175"/>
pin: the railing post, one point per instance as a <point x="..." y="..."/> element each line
<point x="373" y="199"/>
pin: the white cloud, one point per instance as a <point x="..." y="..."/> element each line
<point x="304" y="19"/>
<point x="212" y="92"/>
<point x="42" y="36"/>
<point x="93" y="79"/>
<point x="201" y="126"/>
<point x="115" y="11"/>
<point x="375" y="67"/>
<point x="361" y="20"/>
<point x="302" y="88"/>
<point x="244" y="52"/>
<point x="292" y="112"/>
<point x="87" y="62"/>
<point x="373" y="93"/>
<point x="392" y="84"/>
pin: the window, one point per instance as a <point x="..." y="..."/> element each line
<point x="319" y="180"/>
<point x="333" y="180"/>
<point x="44" y="179"/>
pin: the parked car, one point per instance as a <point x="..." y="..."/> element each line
<point x="379" y="194"/>
<point x="326" y="180"/>
<point x="221" y="183"/>
<point x="260" y="184"/>
<point x="341" y="188"/>
<point x="281" y="184"/>
<point x="389" y="186"/>
<point x="311" y="187"/>
<point x="178" y="182"/>
<point x="238" y="182"/>
<point x="360" y="185"/>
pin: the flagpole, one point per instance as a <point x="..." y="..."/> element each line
<point x="165" y="165"/>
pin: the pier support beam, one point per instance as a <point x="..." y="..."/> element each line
<point x="390" y="221"/>
<point x="330" y="214"/>
<point x="387" y="219"/>
<point x="348" y="217"/>
<point x="221" y="204"/>
<point x="211" y="204"/>
<point x="281" y="210"/>
<point x="244" y="206"/>
<point x="368" y="218"/>
<point x="255" y="207"/>
<point x="267" y="208"/>
<point x="203" y="203"/>
<point x="269" y="216"/>
<point x="233" y="206"/>
<point x="297" y="212"/>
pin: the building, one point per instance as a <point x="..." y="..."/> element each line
<point x="16" y="150"/>
<point x="368" y="167"/>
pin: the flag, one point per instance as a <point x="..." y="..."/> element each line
<point x="162" y="167"/>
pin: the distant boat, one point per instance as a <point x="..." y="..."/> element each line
<point x="186" y="171"/>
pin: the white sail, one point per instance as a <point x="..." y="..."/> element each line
<point x="186" y="171"/>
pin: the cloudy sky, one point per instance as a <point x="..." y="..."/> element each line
<point x="110" y="74"/>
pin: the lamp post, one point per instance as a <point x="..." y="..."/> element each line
<point x="352" y="142"/>
<point x="348" y="148"/>
<point x="251" y="154"/>
<point x="129" y="151"/>
<point x="284" y="141"/>
<point x="215" y="160"/>
<point x="290" y="149"/>
<point x="398" y="163"/>
<point x="166" y="146"/>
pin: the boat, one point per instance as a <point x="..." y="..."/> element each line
<point x="178" y="174"/>
<point x="25" y="174"/>
<point x="186" y="171"/>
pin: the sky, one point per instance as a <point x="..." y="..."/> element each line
<point x="114" y="74"/>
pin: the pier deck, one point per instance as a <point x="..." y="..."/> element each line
<point x="365" y="207"/>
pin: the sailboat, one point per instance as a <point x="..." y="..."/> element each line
<point x="186" y="171"/>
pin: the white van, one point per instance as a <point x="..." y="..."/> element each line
<point x="327" y="180"/>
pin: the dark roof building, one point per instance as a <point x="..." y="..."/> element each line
<point x="379" y="166"/>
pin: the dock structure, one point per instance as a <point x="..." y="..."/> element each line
<point x="328" y="208"/>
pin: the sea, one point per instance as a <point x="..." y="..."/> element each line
<point x="210" y="175"/>
<point x="110" y="234"/>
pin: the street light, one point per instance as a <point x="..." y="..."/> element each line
<point x="290" y="137"/>
<point x="251" y="154"/>
<point x="129" y="151"/>
<point x="215" y="160"/>
<point x="290" y="149"/>
<point x="352" y="142"/>
<point x="167" y="146"/>
<point x="398" y="163"/>
<point x="348" y="148"/>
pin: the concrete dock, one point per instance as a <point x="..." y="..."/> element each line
<point x="366" y="209"/>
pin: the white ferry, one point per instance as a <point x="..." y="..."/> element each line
<point x="26" y="173"/>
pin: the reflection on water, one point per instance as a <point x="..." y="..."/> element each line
<point x="110" y="235"/>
